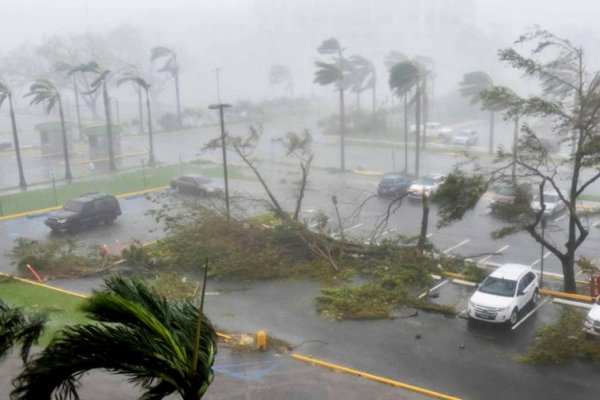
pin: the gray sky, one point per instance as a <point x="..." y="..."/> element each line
<point x="245" y="37"/>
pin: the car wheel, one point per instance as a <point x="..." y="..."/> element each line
<point x="109" y="220"/>
<point x="514" y="317"/>
<point x="535" y="297"/>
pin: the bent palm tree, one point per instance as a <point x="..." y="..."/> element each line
<point x="333" y="73"/>
<point x="142" y="84"/>
<point x="44" y="91"/>
<point x="162" y="346"/>
<point x="171" y="67"/>
<point x="18" y="327"/>
<point x="6" y="93"/>
<point x="403" y="78"/>
<point x="366" y="78"/>
<point x="100" y="84"/>
<point x="473" y="85"/>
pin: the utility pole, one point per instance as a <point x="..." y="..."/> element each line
<point x="217" y="71"/>
<point x="220" y="107"/>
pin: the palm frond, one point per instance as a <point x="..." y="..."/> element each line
<point x="403" y="77"/>
<point x="327" y="73"/>
<point x="329" y="46"/>
<point x="473" y="84"/>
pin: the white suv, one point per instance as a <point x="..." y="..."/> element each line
<point x="592" y="321"/>
<point x="504" y="293"/>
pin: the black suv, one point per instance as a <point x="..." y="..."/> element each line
<point x="394" y="184"/>
<point x="87" y="210"/>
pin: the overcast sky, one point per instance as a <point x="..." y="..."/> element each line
<point x="240" y="36"/>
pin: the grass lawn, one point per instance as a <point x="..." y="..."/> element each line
<point x="62" y="308"/>
<point x="116" y="183"/>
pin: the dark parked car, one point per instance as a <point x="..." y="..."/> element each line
<point x="394" y="184"/>
<point x="506" y="193"/>
<point x="87" y="210"/>
<point x="197" y="185"/>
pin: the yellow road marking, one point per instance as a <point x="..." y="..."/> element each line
<point x="372" y="377"/>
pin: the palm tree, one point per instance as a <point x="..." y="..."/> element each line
<point x="365" y="78"/>
<point x="164" y="347"/>
<point x="333" y="73"/>
<point x="6" y="93"/>
<point x="18" y="327"/>
<point x="170" y="67"/>
<point x="142" y="84"/>
<point x="44" y="91"/>
<point x="404" y="77"/>
<point x="65" y="67"/>
<point x="473" y="85"/>
<point x="426" y="65"/>
<point x="100" y="83"/>
<point x="281" y="74"/>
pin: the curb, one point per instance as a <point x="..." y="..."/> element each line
<point x="376" y="378"/>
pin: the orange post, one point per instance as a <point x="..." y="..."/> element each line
<point x="261" y="340"/>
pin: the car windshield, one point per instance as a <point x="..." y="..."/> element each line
<point x="201" y="180"/>
<point x="505" y="190"/>
<point x="498" y="286"/>
<point x="548" y="198"/>
<point x="391" y="178"/>
<point x="74" y="206"/>
<point x="425" y="181"/>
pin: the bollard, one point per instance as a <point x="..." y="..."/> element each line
<point x="261" y="340"/>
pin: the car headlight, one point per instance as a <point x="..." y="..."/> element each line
<point x="61" y="221"/>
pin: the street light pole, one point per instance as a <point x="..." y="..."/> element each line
<point x="220" y="107"/>
<point x="542" y="253"/>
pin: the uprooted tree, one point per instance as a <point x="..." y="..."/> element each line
<point x="569" y="102"/>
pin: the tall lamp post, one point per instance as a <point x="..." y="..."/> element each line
<point x="220" y="107"/>
<point x="542" y="253"/>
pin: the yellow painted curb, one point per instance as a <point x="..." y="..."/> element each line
<point x="30" y="282"/>
<point x="573" y="296"/>
<point x="455" y="275"/>
<point x="367" y="172"/>
<point x="139" y="192"/>
<point x="372" y="377"/>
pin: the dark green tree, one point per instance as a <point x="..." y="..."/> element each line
<point x="44" y="91"/>
<point x="164" y="347"/>
<point x="170" y="67"/>
<point x="100" y="84"/>
<point x="364" y="77"/>
<point x="570" y="100"/>
<point x="6" y="93"/>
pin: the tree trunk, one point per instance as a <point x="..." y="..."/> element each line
<point x="77" y="108"/>
<point x="358" y="101"/>
<point x="65" y="143"/>
<point x="425" y="113"/>
<point x="406" y="133"/>
<point x="342" y="115"/>
<point x="374" y="92"/>
<point x="109" y="134"/>
<point x="515" y="145"/>
<point x="424" y="222"/>
<point x="176" y="76"/>
<point x="13" y="122"/>
<point x="418" y="129"/>
<point x="141" y="109"/>
<point x="568" y="269"/>
<point x="491" y="147"/>
<point x="151" y="160"/>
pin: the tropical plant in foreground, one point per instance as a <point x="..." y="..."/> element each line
<point x="18" y="327"/>
<point x="163" y="347"/>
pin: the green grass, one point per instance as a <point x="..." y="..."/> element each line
<point x="62" y="308"/>
<point x="117" y="183"/>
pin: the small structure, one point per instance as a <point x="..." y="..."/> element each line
<point x="98" y="140"/>
<point x="51" y="141"/>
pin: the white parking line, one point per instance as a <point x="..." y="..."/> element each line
<point x="439" y="285"/>
<point x="561" y="217"/>
<point x="539" y="259"/>
<point x="500" y="250"/>
<point x="386" y="232"/>
<point x="515" y="326"/>
<point x="336" y="234"/>
<point x="457" y="246"/>
<point x="595" y="224"/>
<point x="429" y="235"/>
